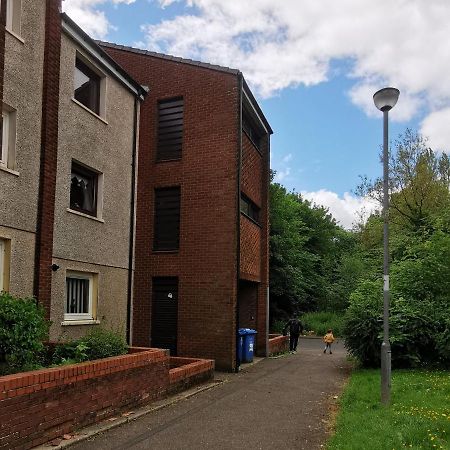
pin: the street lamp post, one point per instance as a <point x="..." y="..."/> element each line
<point x="385" y="99"/>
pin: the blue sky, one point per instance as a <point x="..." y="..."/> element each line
<point x="313" y="66"/>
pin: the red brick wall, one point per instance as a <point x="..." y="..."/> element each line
<point x="186" y="372"/>
<point x="49" y="150"/>
<point x="262" y="317"/>
<point x="254" y="239"/>
<point x="278" y="344"/>
<point x="250" y="250"/>
<point x="207" y="174"/>
<point x="38" y="406"/>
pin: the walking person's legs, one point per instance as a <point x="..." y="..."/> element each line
<point x="295" y="338"/>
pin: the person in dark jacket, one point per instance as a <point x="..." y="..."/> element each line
<point x="295" y="328"/>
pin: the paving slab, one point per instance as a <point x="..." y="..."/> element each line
<point x="283" y="402"/>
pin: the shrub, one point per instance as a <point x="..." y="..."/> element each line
<point x="321" y="322"/>
<point x="23" y="328"/>
<point x="418" y="329"/>
<point x="97" y="344"/>
<point x="101" y="343"/>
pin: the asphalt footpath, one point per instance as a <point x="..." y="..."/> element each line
<point x="282" y="402"/>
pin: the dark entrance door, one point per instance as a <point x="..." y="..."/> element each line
<point x="165" y="313"/>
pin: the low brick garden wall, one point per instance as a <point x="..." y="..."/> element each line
<point x="38" y="406"/>
<point x="278" y="344"/>
<point x="187" y="372"/>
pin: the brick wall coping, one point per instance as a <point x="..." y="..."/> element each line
<point x="28" y="382"/>
<point x="184" y="368"/>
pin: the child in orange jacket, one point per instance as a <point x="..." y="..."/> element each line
<point x="328" y="339"/>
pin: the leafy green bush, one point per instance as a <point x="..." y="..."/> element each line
<point x="101" y="343"/>
<point x="418" y="329"/>
<point x="69" y="353"/>
<point x="363" y="323"/>
<point x="97" y="344"/>
<point x="321" y="322"/>
<point x="23" y="328"/>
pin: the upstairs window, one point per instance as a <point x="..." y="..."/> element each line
<point x="8" y="137"/>
<point x="167" y="219"/>
<point x="170" y="129"/>
<point x="87" y="86"/>
<point x="13" y="15"/>
<point x="83" y="189"/>
<point x="253" y="133"/>
<point x="249" y="208"/>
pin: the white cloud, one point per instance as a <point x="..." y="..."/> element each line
<point x="282" y="174"/>
<point x="346" y="210"/>
<point x="285" y="43"/>
<point x="287" y="158"/>
<point x="88" y="15"/>
<point x="437" y="126"/>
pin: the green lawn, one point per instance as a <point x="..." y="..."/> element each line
<point x="418" y="418"/>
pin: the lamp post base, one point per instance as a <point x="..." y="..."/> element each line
<point x="385" y="373"/>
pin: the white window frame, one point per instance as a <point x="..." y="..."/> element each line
<point x="7" y="158"/>
<point x="80" y="316"/>
<point x="13" y="16"/>
<point x="2" y="264"/>
<point x="103" y="86"/>
<point x="100" y="180"/>
<point x="5" y="139"/>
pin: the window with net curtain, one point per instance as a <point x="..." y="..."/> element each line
<point x="83" y="189"/>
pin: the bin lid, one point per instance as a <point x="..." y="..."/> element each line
<point x="245" y="331"/>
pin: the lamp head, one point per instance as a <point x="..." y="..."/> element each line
<point x="385" y="99"/>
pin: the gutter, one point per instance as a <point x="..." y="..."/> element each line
<point x="238" y="217"/>
<point x="132" y="222"/>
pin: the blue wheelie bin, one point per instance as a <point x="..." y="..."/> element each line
<point x="248" y="345"/>
<point x="240" y="343"/>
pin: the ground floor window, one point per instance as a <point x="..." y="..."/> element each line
<point x="80" y="300"/>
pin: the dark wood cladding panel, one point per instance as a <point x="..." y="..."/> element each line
<point x="170" y="129"/>
<point x="167" y="218"/>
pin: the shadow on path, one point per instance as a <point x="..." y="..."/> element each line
<point x="277" y="403"/>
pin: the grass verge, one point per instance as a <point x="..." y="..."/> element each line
<point x="418" y="417"/>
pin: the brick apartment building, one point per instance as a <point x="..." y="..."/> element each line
<point x="201" y="261"/>
<point x="169" y="244"/>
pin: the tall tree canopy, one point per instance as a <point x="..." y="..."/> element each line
<point x="310" y="255"/>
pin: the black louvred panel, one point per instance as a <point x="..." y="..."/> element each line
<point x="170" y="129"/>
<point x="165" y="313"/>
<point x="167" y="219"/>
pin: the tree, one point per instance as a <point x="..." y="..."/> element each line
<point x="420" y="262"/>
<point x="418" y="182"/>
<point x="306" y="249"/>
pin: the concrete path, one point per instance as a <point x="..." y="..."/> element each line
<point x="284" y="402"/>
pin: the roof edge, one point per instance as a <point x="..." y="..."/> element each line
<point x="168" y="57"/>
<point x="101" y="56"/>
<point x="255" y="105"/>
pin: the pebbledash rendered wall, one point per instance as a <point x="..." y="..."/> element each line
<point x="207" y="173"/>
<point x="23" y="56"/>
<point x="97" y="245"/>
